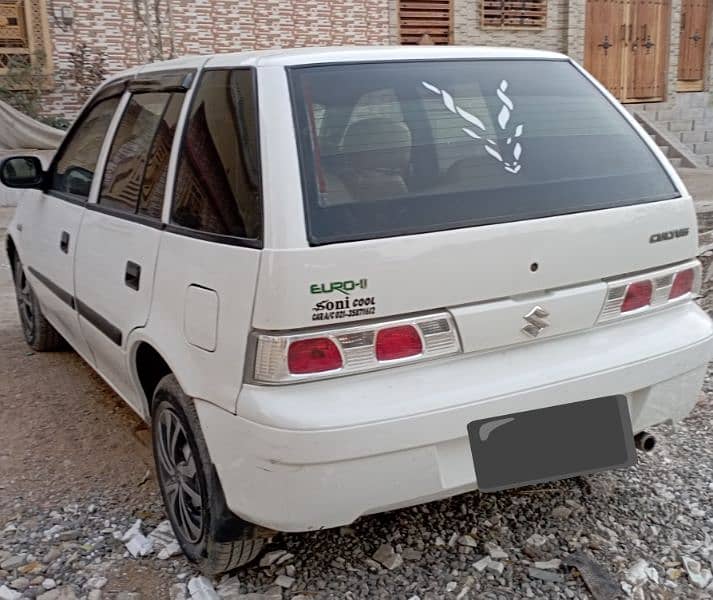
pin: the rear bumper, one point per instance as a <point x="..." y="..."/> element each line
<point x="322" y="454"/>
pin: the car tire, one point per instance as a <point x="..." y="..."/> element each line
<point x="189" y="487"/>
<point x="38" y="331"/>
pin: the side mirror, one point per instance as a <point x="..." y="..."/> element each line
<point x="22" y="172"/>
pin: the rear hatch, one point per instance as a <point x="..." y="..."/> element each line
<point x="505" y="191"/>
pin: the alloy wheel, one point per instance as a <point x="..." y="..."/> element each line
<point x="182" y="487"/>
<point x="25" y="303"/>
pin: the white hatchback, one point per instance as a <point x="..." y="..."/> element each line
<point x="341" y="281"/>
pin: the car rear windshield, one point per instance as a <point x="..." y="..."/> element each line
<point x="397" y="148"/>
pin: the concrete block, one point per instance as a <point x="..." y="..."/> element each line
<point x="692" y="99"/>
<point x="692" y="137"/>
<point x="691" y="112"/>
<point x="668" y="114"/>
<point x="680" y="125"/>
<point x="703" y="148"/>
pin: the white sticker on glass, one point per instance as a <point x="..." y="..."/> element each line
<point x="508" y="156"/>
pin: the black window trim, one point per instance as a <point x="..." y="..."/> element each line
<point x="306" y="163"/>
<point x="151" y="81"/>
<point x="219" y="238"/>
<point x="122" y="214"/>
<point x="116" y="87"/>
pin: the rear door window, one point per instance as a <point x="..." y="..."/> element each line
<point x="410" y="147"/>
<point x="135" y="173"/>
<point x="218" y="179"/>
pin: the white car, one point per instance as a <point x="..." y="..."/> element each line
<point x="339" y="281"/>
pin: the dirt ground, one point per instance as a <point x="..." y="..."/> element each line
<point x="67" y="437"/>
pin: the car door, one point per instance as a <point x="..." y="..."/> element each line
<point x="50" y="219"/>
<point x="120" y="233"/>
<point x="210" y="251"/>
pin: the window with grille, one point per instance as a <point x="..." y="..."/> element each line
<point x="425" y="21"/>
<point x="14" y="44"/>
<point x="513" y="14"/>
<point x="23" y="35"/>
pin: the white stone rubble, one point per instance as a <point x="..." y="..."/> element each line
<point x="270" y="558"/>
<point x="284" y="581"/>
<point x="9" y="594"/>
<point x="495" y="551"/>
<point x="545" y="565"/>
<point x="387" y="556"/>
<point x="97" y="582"/>
<point x="698" y="576"/>
<point x="202" y="589"/>
<point x="178" y="591"/>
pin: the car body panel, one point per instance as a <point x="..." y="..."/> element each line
<point x="374" y="441"/>
<point x="398" y="437"/>
<point x="108" y="244"/>
<point x="43" y="221"/>
<point x="459" y="267"/>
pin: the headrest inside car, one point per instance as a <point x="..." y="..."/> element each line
<point x="377" y="144"/>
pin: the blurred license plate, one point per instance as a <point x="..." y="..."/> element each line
<point x="552" y="443"/>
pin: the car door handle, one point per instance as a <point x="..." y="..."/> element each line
<point x="64" y="242"/>
<point x="132" y="276"/>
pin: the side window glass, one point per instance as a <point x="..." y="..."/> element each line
<point x="75" y="165"/>
<point x="135" y="173"/>
<point x="218" y="180"/>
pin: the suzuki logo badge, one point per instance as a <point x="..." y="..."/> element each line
<point x="535" y="321"/>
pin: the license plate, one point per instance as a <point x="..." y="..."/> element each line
<point x="552" y="443"/>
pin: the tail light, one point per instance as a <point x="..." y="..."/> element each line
<point x="638" y="295"/>
<point x="682" y="283"/>
<point x="393" y="343"/>
<point x="650" y="290"/>
<point x="314" y="355"/>
<point x="297" y="357"/>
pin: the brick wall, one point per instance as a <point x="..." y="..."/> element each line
<point x="466" y="28"/>
<point x="206" y="26"/>
<point x="203" y="27"/>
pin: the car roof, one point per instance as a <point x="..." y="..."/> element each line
<point x="340" y="54"/>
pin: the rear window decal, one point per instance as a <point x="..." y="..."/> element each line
<point x="491" y="146"/>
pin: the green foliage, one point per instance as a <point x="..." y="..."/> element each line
<point x="55" y="121"/>
<point x="21" y="86"/>
<point x="25" y="82"/>
<point x="88" y="69"/>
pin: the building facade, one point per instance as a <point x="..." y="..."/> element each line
<point x="642" y="50"/>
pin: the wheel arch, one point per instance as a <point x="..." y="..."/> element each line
<point x="12" y="254"/>
<point x="148" y="365"/>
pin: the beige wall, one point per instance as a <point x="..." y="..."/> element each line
<point x="466" y="28"/>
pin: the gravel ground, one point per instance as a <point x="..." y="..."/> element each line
<point x="77" y="473"/>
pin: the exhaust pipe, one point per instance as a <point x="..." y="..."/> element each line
<point x="644" y="441"/>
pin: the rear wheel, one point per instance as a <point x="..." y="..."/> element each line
<point x="188" y="488"/>
<point x="38" y="331"/>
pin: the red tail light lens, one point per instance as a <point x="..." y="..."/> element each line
<point x="638" y="295"/>
<point x="314" y="355"/>
<point x="352" y="348"/>
<point x="682" y="284"/>
<point x="398" y="342"/>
